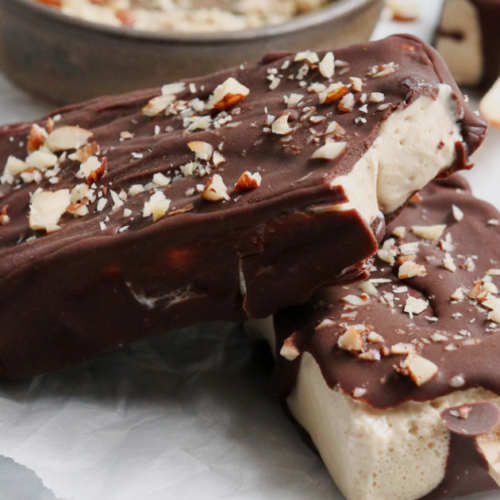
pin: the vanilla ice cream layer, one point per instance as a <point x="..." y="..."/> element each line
<point x="372" y="454"/>
<point x="414" y="145"/>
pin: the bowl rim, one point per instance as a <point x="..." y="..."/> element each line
<point x="337" y="9"/>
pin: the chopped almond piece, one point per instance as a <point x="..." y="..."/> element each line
<point x="280" y="126"/>
<point x="202" y="150"/>
<point x="457" y="213"/>
<point x="410" y="269"/>
<point x="13" y="166"/>
<point x="46" y="209"/>
<point x="327" y="65"/>
<point x="346" y="105"/>
<point x="41" y="160"/>
<point x="325" y="323"/>
<point x="289" y="350"/>
<point x="157" y="206"/>
<point x="429" y="232"/>
<point x="248" y="181"/>
<point x="420" y="369"/>
<point x="66" y="138"/>
<point x="227" y="95"/>
<point x="157" y="105"/>
<point x="335" y="92"/>
<point x="399" y="232"/>
<point x="402" y="348"/>
<point x="215" y="190"/>
<point x="415" y="306"/>
<point x="77" y="209"/>
<point x="37" y="138"/>
<point x="308" y="56"/>
<point x="92" y="169"/>
<point x="85" y="152"/>
<point x="357" y="83"/>
<point x="352" y="339"/>
<point x="458" y="294"/>
<point x="329" y="151"/>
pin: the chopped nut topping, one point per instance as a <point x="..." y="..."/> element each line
<point x="358" y="392"/>
<point x="41" y="160"/>
<point x="215" y="190"/>
<point x="346" y="105"/>
<point x="248" y="181"/>
<point x="280" y="126"/>
<point x="329" y="151"/>
<point x="157" y="206"/>
<point x="420" y="369"/>
<point x="375" y="338"/>
<point x="357" y="83"/>
<point x="327" y="65"/>
<point x="324" y="324"/>
<point x="157" y="105"/>
<point x="4" y="218"/>
<point x="399" y="232"/>
<point x="377" y="97"/>
<point x="161" y="180"/>
<point x="354" y="300"/>
<point x="202" y="150"/>
<point x="410" y="269"/>
<point x="458" y="294"/>
<point x="13" y="166"/>
<point x="369" y="288"/>
<point x="448" y="263"/>
<point x="46" y="209"/>
<point x="307" y="55"/>
<point x="85" y="152"/>
<point x="352" y="339"/>
<point x="92" y="169"/>
<point x="402" y="348"/>
<point x="429" y="232"/>
<point x="335" y="92"/>
<point x="37" y="138"/>
<point x="415" y="306"/>
<point x="227" y="95"/>
<point x="289" y="350"/>
<point x="457" y="213"/>
<point x="66" y="138"/>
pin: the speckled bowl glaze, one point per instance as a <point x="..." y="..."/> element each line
<point x="65" y="59"/>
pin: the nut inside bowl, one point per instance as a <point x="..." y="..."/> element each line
<point x="66" y="59"/>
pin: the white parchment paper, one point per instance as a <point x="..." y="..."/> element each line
<point x="185" y="417"/>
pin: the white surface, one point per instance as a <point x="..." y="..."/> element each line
<point x="187" y="417"/>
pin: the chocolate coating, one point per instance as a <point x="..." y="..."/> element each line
<point x="471" y="419"/>
<point x="106" y="279"/>
<point x="472" y="361"/>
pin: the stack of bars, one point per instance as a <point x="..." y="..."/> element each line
<point x="263" y="193"/>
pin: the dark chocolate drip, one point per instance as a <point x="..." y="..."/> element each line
<point x="467" y="468"/>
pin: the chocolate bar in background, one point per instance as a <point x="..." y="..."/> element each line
<point x="220" y="198"/>
<point x="468" y="38"/>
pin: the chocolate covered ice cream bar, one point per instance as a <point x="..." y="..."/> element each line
<point x="221" y="198"/>
<point x="468" y="38"/>
<point x="397" y="379"/>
